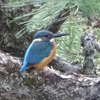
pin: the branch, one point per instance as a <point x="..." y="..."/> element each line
<point x="63" y="66"/>
<point x="94" y="22"/>
<point x="58" y="21"/>
<point x="48" y="84"/>
<point x="89" y="44"/>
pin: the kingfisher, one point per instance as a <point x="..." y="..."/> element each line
<point x="41" y="51"/>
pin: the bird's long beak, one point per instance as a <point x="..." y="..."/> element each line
<point x="59" y="35"/>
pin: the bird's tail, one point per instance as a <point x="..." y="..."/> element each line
<point x="23" y="67"/>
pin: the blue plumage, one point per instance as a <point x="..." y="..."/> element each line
<point x="40" y="48"/>
<point x="36" y="52"/>
<point x="43" y="33"/>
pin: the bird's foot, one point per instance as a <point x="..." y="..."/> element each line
<point x="30" y="69"/>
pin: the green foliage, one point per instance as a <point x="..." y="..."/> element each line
<point x="89" y="7"/>
<point x="68" y="47"/>
<point x="45" y="14"/>
<point x="21" y="3"/>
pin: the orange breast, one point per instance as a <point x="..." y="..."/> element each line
<point x="46" y="60"/>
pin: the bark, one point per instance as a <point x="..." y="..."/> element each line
<point x="89" y="44"/>
<point x="58" y="21"/>
<point x="94" y="22"/>
<point x="63" y="66"/>
<point x="8" y="41"/>
<point x="48" y="84"/>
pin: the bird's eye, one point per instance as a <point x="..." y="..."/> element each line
<point x="49" y="36"/>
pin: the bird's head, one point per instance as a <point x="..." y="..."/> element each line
<point x="47" y="34"/>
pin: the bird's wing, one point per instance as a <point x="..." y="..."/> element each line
<point x="37" y="51"/>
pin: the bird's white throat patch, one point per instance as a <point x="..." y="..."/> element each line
<point x="52" y="40"/>
<point x="37" y="40"/>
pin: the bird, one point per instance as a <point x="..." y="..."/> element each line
<point x="41" y="51"/>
